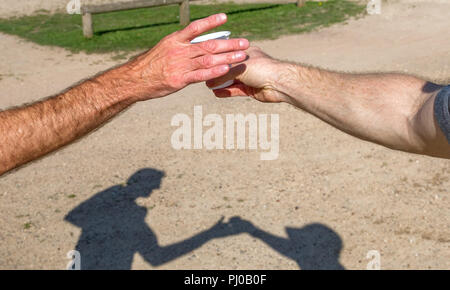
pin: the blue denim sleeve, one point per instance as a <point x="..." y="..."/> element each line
<point x="442" y="111"/>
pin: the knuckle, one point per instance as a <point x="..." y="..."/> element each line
<point x="193" y="28"/>
<point x="211" y="20"/>
<point x="169" y="78"/>
<point x="193" y="50"/>
<point x="207" y="61"/>
<point x="209" y="46"/>
<point x="175" y="53"/>
<point x="231" y="57"/>
<point x="187" y="78"/>
<point x="199" y="75"/>
<point x="173" y="82"/>
<point x="236" y="45"/>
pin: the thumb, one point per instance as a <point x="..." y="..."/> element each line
<point x="234" y="73"/>
<point x="234" y="91"/>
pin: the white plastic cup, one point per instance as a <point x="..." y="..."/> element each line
<point x="215" y="35"/>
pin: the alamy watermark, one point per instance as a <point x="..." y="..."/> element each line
<point x="75" y="260"/>
<point x="374" y="7"/>
<point x="375" y="260"/>
<point x="74" y="7"/>
<point x="373" y="264"/>
<point x="190" y="134"/>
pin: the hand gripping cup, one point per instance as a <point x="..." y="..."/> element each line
<point x="215" y="35"/>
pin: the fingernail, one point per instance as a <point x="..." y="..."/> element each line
<point x="223" y="68"/>
<point x="239" y="55"/>
<point x="221" y="17"/>
<point x="243" y="43"/>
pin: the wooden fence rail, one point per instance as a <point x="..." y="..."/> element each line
<point x="88" y="10"/>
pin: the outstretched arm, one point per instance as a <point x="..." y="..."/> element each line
<point x="29" y="132"/>
<point x="282" y="245"/>
<point x="158" y="255"/>
<point x="393" y="110"/>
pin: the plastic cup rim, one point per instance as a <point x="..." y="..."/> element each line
<point x="214" y="35"/>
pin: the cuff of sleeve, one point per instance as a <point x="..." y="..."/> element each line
<point x="442" y="111"/>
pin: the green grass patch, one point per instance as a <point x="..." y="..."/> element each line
<point x="142" y="28"/>
<point x="27" y="226"/>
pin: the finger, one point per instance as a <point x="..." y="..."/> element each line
<point x="219" y="46"/>
<point x="200" y="26"/>
<point x="234" y="72"/>
<point x="202" y="75"/>
<point x="211" y="60"/>
<point x="234" y="91"/>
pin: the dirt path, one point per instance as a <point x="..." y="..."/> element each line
<point x="326" y="193"/>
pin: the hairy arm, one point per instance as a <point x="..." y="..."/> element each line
<point x="388" y="109"/>
<point x="393" y="110"/>
<point x="30" y="132"/>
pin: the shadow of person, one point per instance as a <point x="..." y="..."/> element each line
<point x="113" y="227"/>
<point x="313" y="247"/>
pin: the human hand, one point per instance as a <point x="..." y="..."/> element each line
<point x="256" y="77"/>
<point x="175" y="63"/>
<point x="220" y="229"/>
<point x="240" y="225"/>
<point x="236" y="225"/>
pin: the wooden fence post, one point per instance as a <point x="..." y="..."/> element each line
<point x="184" y="13"/>
<point x="300" y="3"/>
<point x="88" y="30"/>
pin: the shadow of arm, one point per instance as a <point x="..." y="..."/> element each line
<point x="279" y="244"/>
<point x="158" y="255"/>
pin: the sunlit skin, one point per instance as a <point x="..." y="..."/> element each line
<point x="392" y="110"/>
<point x="29" y="132"/>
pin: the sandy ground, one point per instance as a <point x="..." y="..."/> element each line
<point x="326" y="201"/>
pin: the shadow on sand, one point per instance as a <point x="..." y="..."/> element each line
<point x="313" y="247"/>
<point x="113" y="230"/>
